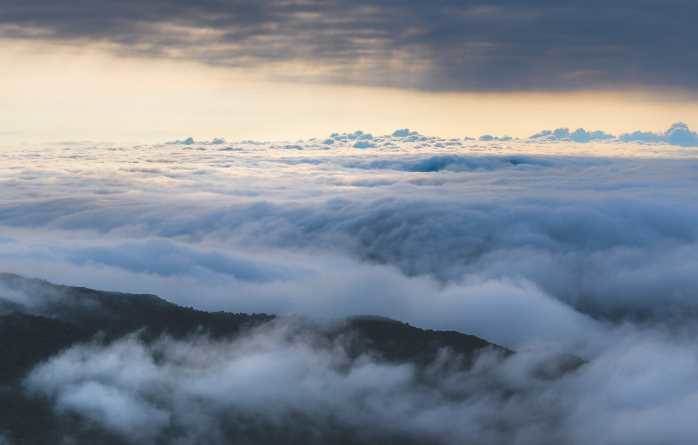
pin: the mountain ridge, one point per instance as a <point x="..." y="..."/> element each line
<point x="54" y="318"/>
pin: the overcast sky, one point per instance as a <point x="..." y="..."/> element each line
<point x="106" y="69"/>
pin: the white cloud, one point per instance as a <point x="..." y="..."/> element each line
<point x="201" y="390"/>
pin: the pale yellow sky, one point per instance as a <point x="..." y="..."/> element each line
<point x="54" y="93"/>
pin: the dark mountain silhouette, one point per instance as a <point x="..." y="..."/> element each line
<point x="58" y="316"/>
<point x="39" y="319"/>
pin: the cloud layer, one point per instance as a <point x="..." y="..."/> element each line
<point x="265" y="228"/>
<point x="542" y="246"/>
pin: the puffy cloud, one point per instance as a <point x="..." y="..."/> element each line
<point x="187" y="141"/>
<point x="363" y="144"/>
<point x="357" y="139"/>
<point x="578" y="135"/>
<point x="404" y="132"/>
<point x="489" y="138"/>
<point x="191" y="141"/>
<point x="407" y="135"/>
<point x="641" y="136"/>
<point x="355" y="136"/>
<point x="678" y="134"/>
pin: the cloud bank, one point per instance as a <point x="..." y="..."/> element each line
<point x="541" y="246"/>
<point x="267" y="229"/>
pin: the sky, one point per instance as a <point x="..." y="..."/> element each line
<point x="114" y="176"/>
<point x="147" y="71"/>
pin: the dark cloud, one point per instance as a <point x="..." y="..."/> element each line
<point x="445" y="45"/>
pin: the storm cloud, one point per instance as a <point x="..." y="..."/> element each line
<point x="447" y="45"/>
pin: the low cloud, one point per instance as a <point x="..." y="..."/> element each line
<point x="678" y="134"/>
<point x="191" y="141"/>
<point x="407" y="135"/>
<point x="490" y="138"/>
<point x="579" y="135"/>
<point x="256" y="386"/>
<point x="273" y="381"/>
<point x="511" y="313"/>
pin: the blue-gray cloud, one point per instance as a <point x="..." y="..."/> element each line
<point x="578" y="135"/>
<point x="677" y="134"/>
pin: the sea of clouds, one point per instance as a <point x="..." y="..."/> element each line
<point x="538" y="245"/>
